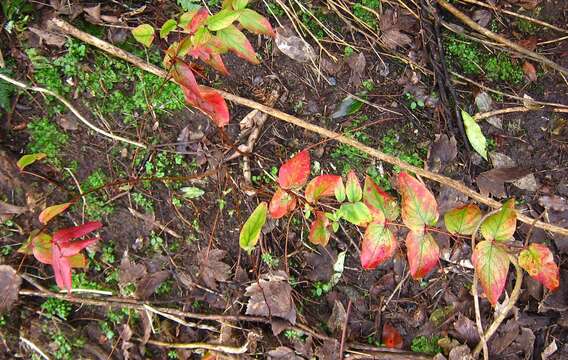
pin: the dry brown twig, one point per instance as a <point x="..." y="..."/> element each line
<point x="508" y="43"/>
<point x="115" y="51"/>
<point x="488" y="114"/>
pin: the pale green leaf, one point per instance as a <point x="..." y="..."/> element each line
<point x="144" y="34"/>
<point x="167" y="28"/>
<point x="475" y="135"/>
<point x="252" y="227"/>
<point x="192" y="192"/>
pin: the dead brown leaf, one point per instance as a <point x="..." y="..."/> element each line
<point x="482" y="17"/>
<point x="441" y="152"/>
<point x="526" y="4"/>
<point x="10" y="283"/>
<point x="530" y="71"/>
<point x="7" y="211"/>
<point x="493" y="181"/>
<point x="125" y="333"/>
<point x="329" y="350"/>
<point x="211" y="269"/>
<point x="129" y="271"/>
<point x="93" y="14"/>
<point x="337" y="318"/>
<point x="391" y="34"/>
<point x="357" y="65"/>
<point x="467" y="330"/>
<point x="271" y="296"/>
<point x="48" y="37"/>
<point x="529" y="43"/>
<point x="149" y="283"/>
<point x="553" y="202"/>
<point x="282" y="353"/>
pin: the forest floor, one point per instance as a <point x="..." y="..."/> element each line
<point x="172" y="240"/>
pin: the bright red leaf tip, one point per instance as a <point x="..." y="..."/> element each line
<point x="323" y="185"/>
<point x="282" y="203"/>
<point x="419" y="207"/>
<point x="294" y="173"/>
<point x="75" y="232"/>
<point x="391" y="337"/>
<point x="538" y="261"/>
<point x="422" y="252"/>
<point x="491" y="262"/>
<point x="197" y="20"/>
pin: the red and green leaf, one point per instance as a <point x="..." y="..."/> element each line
<point x="222" y="19"/>
<point x="52" y="211"/>
<point x="353" y="187"/>
<point x="238" y="43"/>
<point x="255" y="23"/>
<point x="419" y="207"/>
<point x="339" y="191"/>
<point x="379" y="201"/>
<point x="282" y="204"/>
<point x="322" y="185"/>
<point x="501" y="225"/>
<point x="422" y="253"/>
<point x="294" y="173"/>
<point x="356" y="213"/>
<point x="463" y="220"/>
<point x="319" y="229"/>
<point x="29" y="159"/>
<point x="379" y="245"/>
<point x="193" y="20"/>
<point x="491" y="263"/>
<point x="538" y="261"/>
<point x="41" y="248"/>
<point x="250" y="232"/>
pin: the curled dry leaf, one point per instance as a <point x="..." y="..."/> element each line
<point x="10" y="283"/>
<point x="530" y="71"/>
<point x="149" y="283"/>
<point x="129" y="271"/>
<point x="391" y="34"/>
<point x="293" y="46"/>
<point x="442" y="152"/>
<point x="211" y="267"/>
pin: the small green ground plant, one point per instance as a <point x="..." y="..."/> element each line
<point x="372" y="209"/>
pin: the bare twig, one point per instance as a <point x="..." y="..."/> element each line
<point x="520" y="16"/>
<point x="212" y="347"/>
<point x="34" y="347"/>
<point x="508" y="43"/>
<point x="344" y="331"/>
<point x="103" y="45"/>
<point x="72" y="109"/>
<point x="488" y="114"/>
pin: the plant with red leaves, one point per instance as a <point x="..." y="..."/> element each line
<point x="377" y="211"/>
<point x="206" y="37"/>
<point x="62" y="250"/>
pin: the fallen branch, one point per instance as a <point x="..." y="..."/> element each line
<point x="488" y="114"/>
<point x="115" y="51"/>
<point x="199" y="345"/>
<point x="508" y="43"/>
<point x="72" y="109"/>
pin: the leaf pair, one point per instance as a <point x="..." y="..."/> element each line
<point x="62" y="250"/>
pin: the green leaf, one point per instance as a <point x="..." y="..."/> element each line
<point x="356" y="213"/>
<point x="189" y="5"/>
<point x="29" y="159"/>
<point x="192" y="192"/>
<point x="144" y="34"/>
<point x="240" y="4"/>
<point x="501" y="225"/>
<point x="340" y="191"/>
<point x="463" y="220"/>
<point x="252" y="227"/>
<point x="474" y="135"/>
<point x="238" y="43"/>
<point x="167" y="28"/>
<point x="222" y="19"/>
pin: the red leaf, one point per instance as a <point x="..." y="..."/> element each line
<point x="61" y="269"/>
<point x="323" y="185"/>
<point x="538" y="261"/>
<point x="197" y="20"/>
<point x="75" y="232"/>
<point x="491" y="262"/>
<point x="41" y="248"/>
<point x="391" y="337"/>
<point x="419" y="207"/>
<point x="282" y="203"/>
<point x="52" y="211"/>
<point x="215" y="106"/>
<point x="319" y="230"/>
<point x="73" y="247"/>
<point x="422" y="252"/>
<point x="378" y="200"/>
<point x="294" y="173"/>
<point x="183" y="75"/>
<point x="379" y="244"/>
